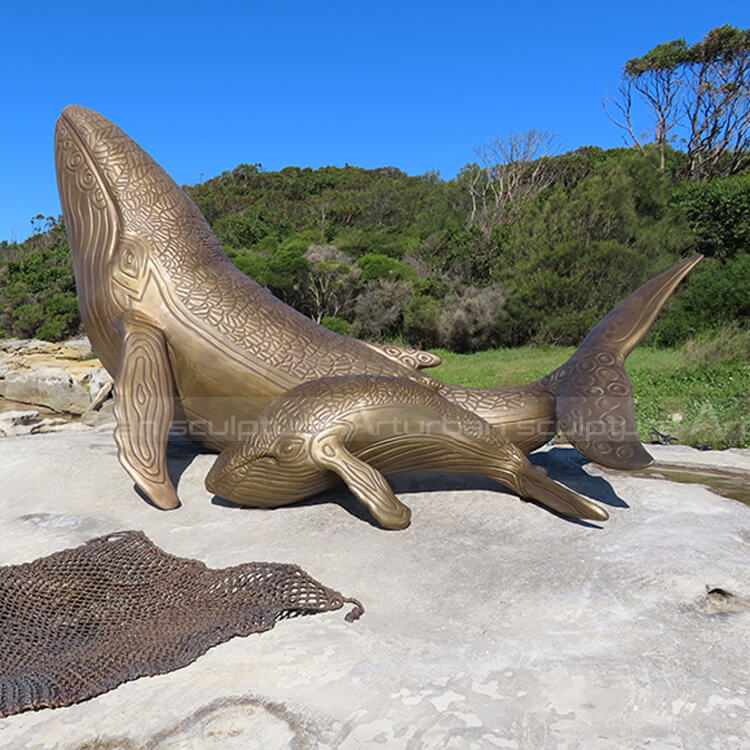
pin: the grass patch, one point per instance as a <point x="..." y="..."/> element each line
<point x="700" y="393"/>
<point x="499" y="368"/>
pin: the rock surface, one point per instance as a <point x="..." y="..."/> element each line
<point x="489" y="623"/>
<point x="64" y="377"/>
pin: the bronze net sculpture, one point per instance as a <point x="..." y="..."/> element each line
<point x="188" y="337"/>
<point x="82" y="621"/>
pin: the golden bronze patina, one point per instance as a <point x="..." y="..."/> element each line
<point x="189" y="338"/>
<point x="354" y="427"/>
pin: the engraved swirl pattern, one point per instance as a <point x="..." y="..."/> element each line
<point x="312" y="407"/>
<point x="595" y="404"/>
<point x="92" y="226"/>
<point x="408" y="356"/>
<point x="204" y="279"/>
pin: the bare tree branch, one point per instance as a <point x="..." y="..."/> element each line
<point x="512" y="169"/>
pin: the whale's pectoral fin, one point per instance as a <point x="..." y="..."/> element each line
<point x="144" y="407"/>
<point x="367" y="484"/>
<point x="537" y="486"/>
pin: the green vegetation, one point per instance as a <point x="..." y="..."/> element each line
<point x="699" y="393"/>
<point x="399" y="256"/>
<point x="520" y="248"/>
<point x="37" y="285"/>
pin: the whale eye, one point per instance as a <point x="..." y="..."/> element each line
<point x="129" y="258"/>
<point x="288" y="447"/>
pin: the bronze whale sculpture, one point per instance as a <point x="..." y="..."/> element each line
<point x="355" y="427"/>
<point x="187" y="336"/>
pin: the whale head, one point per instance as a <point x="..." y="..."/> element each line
<point x="123" y="213"/>
<point x="267" y="470"/>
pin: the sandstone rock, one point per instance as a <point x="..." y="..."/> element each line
<point x="64" y="377"/>
<point x="15" y="423"/>
<point x="101" y="417"/>
<point x="57" y="424"/>
<point x="17" y="418"/>
<point x="48" y="386"/>
<point x="489" y="622"/>
<point x="78" y="349"/>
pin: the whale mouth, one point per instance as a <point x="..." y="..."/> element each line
<point x="91" y="217"/>
<point x="227" y="474"/>
<point x="84" y="127"/>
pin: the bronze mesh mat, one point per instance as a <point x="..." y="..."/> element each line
<point x="82" y="621"/>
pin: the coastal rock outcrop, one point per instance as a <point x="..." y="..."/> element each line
<point x="65" y="378"/>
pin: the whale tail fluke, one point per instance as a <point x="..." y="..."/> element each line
<point x="593" y="394"/>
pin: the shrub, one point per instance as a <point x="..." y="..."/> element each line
<point x="28" y="318"/>
<point x="379" y="308"/>
<point x="715" y="294"/>
<point x="466" y="320"/>
<point x="61" y="317"/>
<point x="37" y="289"/>
<point x="471" y="320"/>
<point x="377" y="266"/>
<point x="422" y="321"/>
<point x="394" y="242"/>
<point x="432" y="287"/>
<point x="251" y="265"/>
<point x="241" y="230"/>
<point x="718" y="213"/>
<point x="300" y="242"/>
<point x="54" y="330"/>
<point x="337" y="325"/>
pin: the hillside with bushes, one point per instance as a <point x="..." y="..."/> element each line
<point x="385" y="256"/>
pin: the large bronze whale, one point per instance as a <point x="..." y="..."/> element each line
<point x="188" y="337"/>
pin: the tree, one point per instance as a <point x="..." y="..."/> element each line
<point x="719" y="111"/>
<point x="697" y="96"/>
<point x="511" y="169"/>
<point x="329" y="289"/>
<point x="655" y="78"/>
<point x="718" y="213"/>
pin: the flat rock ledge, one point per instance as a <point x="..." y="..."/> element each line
<point x="64" y="377"/>
<point x="489" y="623"/>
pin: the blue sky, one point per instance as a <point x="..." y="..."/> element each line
<point x="416" y="85"/>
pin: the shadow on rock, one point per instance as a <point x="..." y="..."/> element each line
<point x="338" y="496"/>
<point x="180" y="454"/>
<point x="565" y="465"/>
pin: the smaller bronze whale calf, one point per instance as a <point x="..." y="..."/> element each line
<point x="357" y="428"/>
